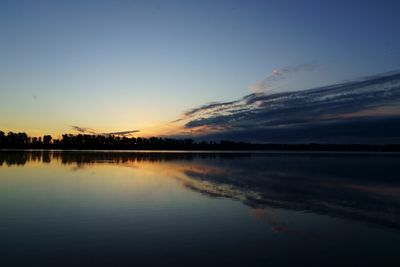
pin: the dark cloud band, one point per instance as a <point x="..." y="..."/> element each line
<point x="263" y="116"/>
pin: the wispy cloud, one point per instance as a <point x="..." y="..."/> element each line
<point x="269" y="82"/>
<point x="83" y="130"/>
<point x="123" y="133"/>
<point x="86" y="130"/>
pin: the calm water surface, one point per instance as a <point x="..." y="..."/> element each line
<point x="199" y="209"/>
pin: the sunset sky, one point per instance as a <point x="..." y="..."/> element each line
<point x="153" y="68"/>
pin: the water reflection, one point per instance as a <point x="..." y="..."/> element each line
<point x="360" y="187"/>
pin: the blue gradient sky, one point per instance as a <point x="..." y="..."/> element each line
<point x="125" y="65"/>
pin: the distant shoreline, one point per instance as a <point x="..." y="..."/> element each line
<point x="100" y="142"/>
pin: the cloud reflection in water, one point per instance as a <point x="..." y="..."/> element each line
<point x="360" y="187"/>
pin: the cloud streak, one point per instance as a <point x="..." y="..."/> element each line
<point x="122" y="132"/>
<point x="83" y="130"/>
<point x="86" y="130"/>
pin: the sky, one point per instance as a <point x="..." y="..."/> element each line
<point x="142" y="67"/>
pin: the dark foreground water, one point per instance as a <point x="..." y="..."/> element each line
<point x="204" y="209"/>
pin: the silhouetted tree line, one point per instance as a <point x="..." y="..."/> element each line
<point x="13" y="140"/>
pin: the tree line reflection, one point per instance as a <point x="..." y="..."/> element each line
<point x="362" y="187"/>
<point x="17" y="157"/>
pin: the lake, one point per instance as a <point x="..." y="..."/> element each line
<point x="72" y="208"/>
